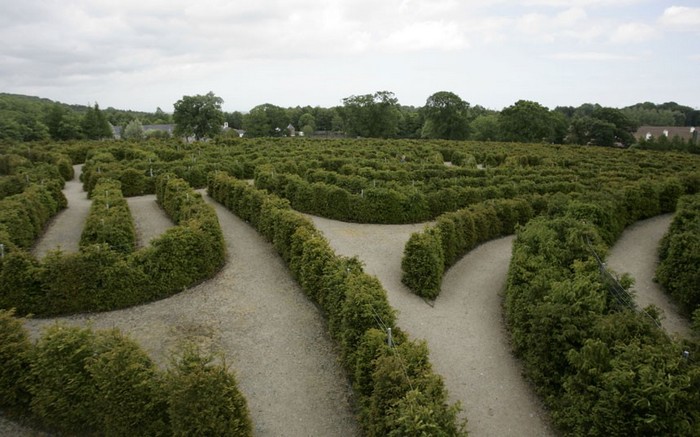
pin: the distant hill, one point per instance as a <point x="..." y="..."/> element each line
<point x="30" y="118"/>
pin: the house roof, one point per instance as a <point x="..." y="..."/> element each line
<point x="684" y="132"/>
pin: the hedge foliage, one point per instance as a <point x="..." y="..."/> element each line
<point x="109" y="220"/>
<point x="77" y="381"/>
<point x="679" y="269"/>
<point x="30" y="195"/>
<point x="428" y="254"/>
<point x="602" y="367"/>
<point x="99" y="278"/>
<point x="398" y="393"/>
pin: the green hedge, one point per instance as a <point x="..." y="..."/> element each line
<point x="23" y="216"/>
<point x="100" y="279"/>
<point x="679" y="269"/>
<point x="109" y="220"/>
<point x="429" y="253"/>
<point x="601" y="367"/>
<point x="84" y="382"/>
<point x="398" y="393"/>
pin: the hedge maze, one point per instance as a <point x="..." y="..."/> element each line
<point x="600" y="366"/>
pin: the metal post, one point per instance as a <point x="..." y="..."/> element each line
<point x="2" y="251"/>
<point x="389" y="339"/>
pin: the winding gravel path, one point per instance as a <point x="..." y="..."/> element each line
<point x="464" y="330"/>
<point x="64" y="230"/>
<point x="256" y="315"/>
<point x="636" y="252"/>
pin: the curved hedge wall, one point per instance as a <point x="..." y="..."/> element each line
<point x="601" y="367"/>
<point x="398" y="393"/>
<point x="679" y="269"/>
<point x="98" y="278"/>
<point x="76" y="381"/>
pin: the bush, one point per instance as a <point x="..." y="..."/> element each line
<point x="14" y="356"/>
<point x="131" y="397"/>
<point x="203" y="398"/>
<point x="63" y="394"/>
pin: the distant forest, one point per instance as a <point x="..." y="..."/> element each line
<point x="27" y="118"/>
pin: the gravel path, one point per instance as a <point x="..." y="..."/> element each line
<point x="269" y="332"/>
<point x="465" y="331"/>
<point x="64" y="230"/>
<point x="636" y="252"/>
<point x="149" y="218"/>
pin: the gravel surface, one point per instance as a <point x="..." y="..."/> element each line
<point x="149" y="218"/>
<point x="636" y="252"/>
<point x="465" y="331"/>
<point x="64" y="230"/>
<point x="271" y="335"/>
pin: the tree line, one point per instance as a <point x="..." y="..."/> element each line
<point x="445" y="115"/>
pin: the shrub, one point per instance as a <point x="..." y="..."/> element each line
<point x="203" y="398"/>
<point x="62" y="390"/>
<point x="14" y="356"/>
<point x="131" y="398"/>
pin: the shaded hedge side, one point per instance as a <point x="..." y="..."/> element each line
<point x="98" y="278"/>
<point x="77" y="381"/>
<point x="398" y="393"/>
<point x="679" y="252"/>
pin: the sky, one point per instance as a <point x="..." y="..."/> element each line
<point x="144" y="54"/>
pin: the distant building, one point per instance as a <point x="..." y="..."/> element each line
<point x="683" y="132"/>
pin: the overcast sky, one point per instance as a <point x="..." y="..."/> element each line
<point x="143" y="54"/>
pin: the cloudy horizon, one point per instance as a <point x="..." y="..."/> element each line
<point x="147" y="54"/>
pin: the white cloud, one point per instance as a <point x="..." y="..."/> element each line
<point x="580" y="3"/>
<point x="633" y="33"/>
<point x="681" y="18"/>
<point x="592" y="56"/>
<point x="431" y="35"/>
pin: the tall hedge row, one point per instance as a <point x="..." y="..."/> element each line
<point x="429" y="253"/>
<point x="602" y="367"/>
<point x="76" y="381"/>
<point x="679" y="269"/>
<point x="109" y="220"/>
<point x="398" y="393"/>
<point x="98" y="278"/>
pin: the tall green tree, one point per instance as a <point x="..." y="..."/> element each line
<point x="624" y="127"/>
<point x="199" y="116"/>
<point x="62" y="123"/>
<point x="527" y="122"/>
<point x="372" y="115"/>
<point x="446" y="117"/>
<point x="95" y="125"/>
<point x="266" y="120"/>
<point x="134" y="131"/>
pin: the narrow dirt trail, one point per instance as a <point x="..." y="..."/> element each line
<point x="149" y="218"/>
<point x="64" y="230"/>
<point x="636" y="253"/>
<point x="270" y="333"/>
<point x="464" y="330"/>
